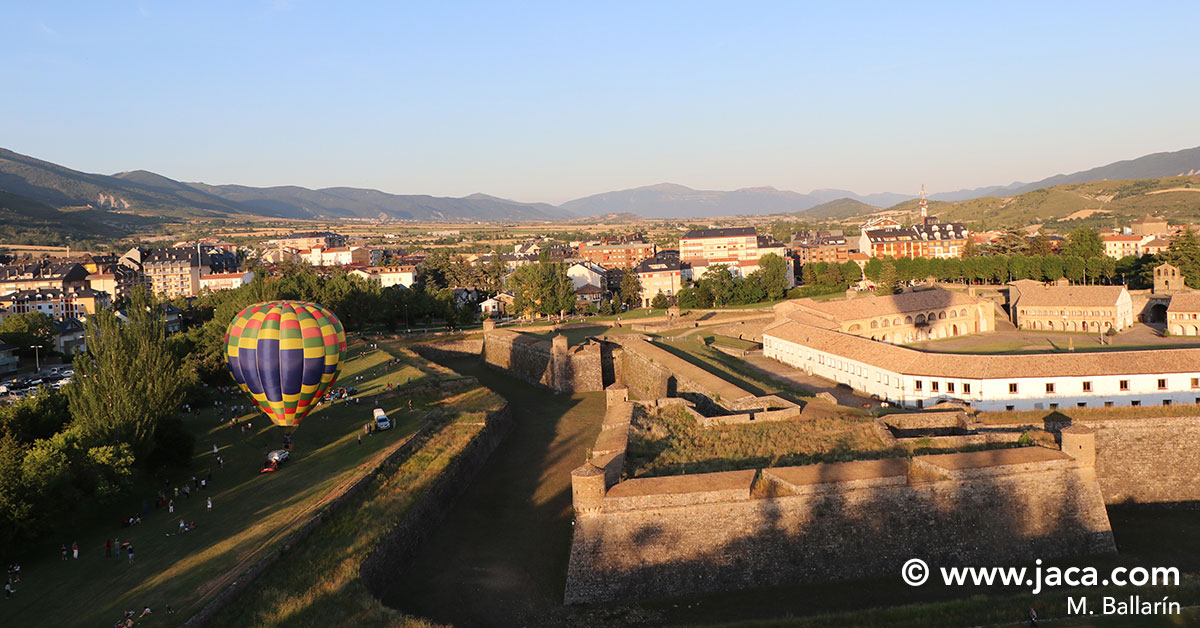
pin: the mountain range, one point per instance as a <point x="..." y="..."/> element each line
<point x="30" y="182"/>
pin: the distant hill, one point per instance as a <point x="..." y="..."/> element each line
<point x="1179" y="163"/>
<point x="147" y="193"/>
<point x="26" y="221"/>
<point x="668" y="200"/>
<point x="1063" y="207"/>
<point x="839" y="209"/>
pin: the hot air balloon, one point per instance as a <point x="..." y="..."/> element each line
<point x="284" y="355"/>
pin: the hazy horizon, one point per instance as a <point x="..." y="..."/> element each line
<point x="550" y="103"/>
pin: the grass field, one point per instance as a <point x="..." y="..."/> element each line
<point x="669" y="442"/>
<point x="319" y="584"/>
<point x="251" y="512"/>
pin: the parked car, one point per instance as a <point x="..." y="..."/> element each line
<point x="275" y="459"/>
<point x="382" y="422"/>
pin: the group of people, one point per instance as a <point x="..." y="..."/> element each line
<point x="14" y="576"/>
<point x="127" y="621"/>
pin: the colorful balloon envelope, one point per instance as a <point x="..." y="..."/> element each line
<point x="285" y="355"/>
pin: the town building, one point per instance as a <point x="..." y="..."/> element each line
<point x="587" y="273"/>
<point x="71" y="338"/>
<point x="880" y="223"/>
<point x="731" y="243"/>
<point x="932" y="240"/>
<point x="1117" y="246"/>
<point x="308" y="240"/>
<point x="660" y="275"/>
<point x="916" y="379"/>
<point x="225" y="281"/>
<point x="1156" y="246"/>
<point x="56" y="303"/>
<point x="1150" y="226"/>
<point x="9" y="362"/>
<point x="1168" y="279"/>
<point x="1183" y="313"/>
<point x="341" y="256"/>
<point x="830" y="249"/>
<point x="736" y="248"/>
<point x="899" y="318"/>
<point x="177" y="272"/>
<point x="119" y="280"/>
<point x="617" y="254"/>
<point x="1060" y="306"/>
<point x="388" y="276"/>
<point x="497" y="306"/>
<point x="42" y="274"/>
<point x="590" y="294"/>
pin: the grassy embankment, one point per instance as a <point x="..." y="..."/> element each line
<point x="252" y="513"/>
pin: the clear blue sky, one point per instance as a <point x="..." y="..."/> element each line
<point x="560" y="100"/>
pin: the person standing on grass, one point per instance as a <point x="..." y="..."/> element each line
<point x="75" y="550"/>
<point x="209" y="504"/>
<point x="64" y="551"/>
<point x="8" y="589"/>
<point x="171" y="507"/>
<point x="107" y="548"/>
<point x="131" y="553"/>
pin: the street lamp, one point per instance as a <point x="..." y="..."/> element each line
<point x="37" y="363"/>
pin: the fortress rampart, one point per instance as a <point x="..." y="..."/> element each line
<point x="679" y="535"/>
<point x="549" y="363"/>
<point x="670" y="536"/>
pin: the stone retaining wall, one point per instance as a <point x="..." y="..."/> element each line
<point x="683" y="535"/>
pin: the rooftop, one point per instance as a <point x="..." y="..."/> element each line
<point x="726" y="232"/>
<point x="975" y="366"/>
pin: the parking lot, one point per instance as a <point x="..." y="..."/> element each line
<point x="18" y="387"/>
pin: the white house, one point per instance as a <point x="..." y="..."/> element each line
<point x="584" y="273"/>
<point x="226" y="281"/>
<point x="917" y="379"/>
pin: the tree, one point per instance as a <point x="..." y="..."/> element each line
<point x="1084" y="243"/>
<point x="29" y="329"/>
<point x="719" y="281"/>
<point x="1184" y="254"/>
<point x="970" y="249"/>
<point x="772" y="275"/>
<point x="128" y="381"/>
<point x="660" y="301"/>
<point x="887" y="277"/>
<point x="1041" y="245"/>
<point x="542" y="288"/>
<point x="631" y="289"/>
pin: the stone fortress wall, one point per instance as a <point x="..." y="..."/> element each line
<point x="549" y="363"/>
<point x="679" y="535"/>
<point x="670" y="536"/>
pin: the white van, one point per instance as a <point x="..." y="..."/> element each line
<point x="382" y="422"/>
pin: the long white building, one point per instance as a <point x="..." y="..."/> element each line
<point x="917" y="379"/>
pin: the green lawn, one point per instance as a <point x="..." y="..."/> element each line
<point x="251" y="511"/>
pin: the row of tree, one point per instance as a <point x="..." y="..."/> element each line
<point x="1079" y="262"/>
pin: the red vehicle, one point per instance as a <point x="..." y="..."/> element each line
<point x="274" y="460"/>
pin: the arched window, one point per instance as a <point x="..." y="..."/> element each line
<point x="886" y="322"/>
<point x="908" y="320"/>
<point x="920" y="318"/>
<point x="874" y="325"/>
<point x="941" y="316"/>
